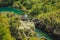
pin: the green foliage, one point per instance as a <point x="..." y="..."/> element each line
<point x="5" y="33"/>
<point x="34" y="7"/>
<point x="51" y="16"/>
<point x="51" y="19"/>
<point x="34" y="38"/>
<point x="45" y="10"/>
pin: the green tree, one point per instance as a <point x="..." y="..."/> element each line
<point x="34" y="7"/>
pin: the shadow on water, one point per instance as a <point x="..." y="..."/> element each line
<point x="42" y="34"/>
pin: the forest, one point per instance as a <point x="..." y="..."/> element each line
<point x="47" y="12"/>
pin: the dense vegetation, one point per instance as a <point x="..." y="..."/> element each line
<point x="48" y="11"/>
<point x="34" y="7"/>
<point x="51" y="21"/>
<point x="5" y="33"/>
